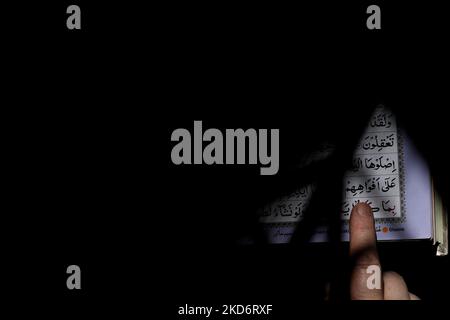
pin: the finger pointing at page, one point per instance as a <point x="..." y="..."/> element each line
<point x="363" y="250"/>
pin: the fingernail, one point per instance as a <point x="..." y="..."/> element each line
<point x="363" y="209"/>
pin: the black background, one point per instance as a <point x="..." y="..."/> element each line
<point x="90" y="113"/>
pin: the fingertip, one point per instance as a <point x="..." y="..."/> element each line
<point x="361" y="217"/>
<point x="362" y="209"/>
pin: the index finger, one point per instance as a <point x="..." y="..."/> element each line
<point x="363" y="251"/>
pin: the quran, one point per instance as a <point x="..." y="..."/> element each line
<point x="389" y="174"/>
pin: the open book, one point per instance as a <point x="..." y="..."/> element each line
<point x="388" y="173"/>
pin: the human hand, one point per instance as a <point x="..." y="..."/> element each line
<point x="363" y="250"/>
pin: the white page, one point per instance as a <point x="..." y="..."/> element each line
<point x="388" y="172"/>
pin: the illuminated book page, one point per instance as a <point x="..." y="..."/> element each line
<point x="387" y="172"/>
<point x="375" y="176"/>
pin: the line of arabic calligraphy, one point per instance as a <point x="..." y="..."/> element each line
<point x="374" y="141"/>
<point x="386" y="206"/>
<point x="370" y="184"/>
<point x="381" y="120"/>
<point x="291" y="209"/>
<point x="374" y="163"/>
